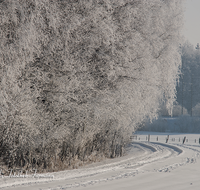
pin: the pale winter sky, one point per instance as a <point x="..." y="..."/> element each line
<point x="191" y="29"/>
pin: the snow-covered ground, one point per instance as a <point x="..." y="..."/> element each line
<point x="152" y="165"/>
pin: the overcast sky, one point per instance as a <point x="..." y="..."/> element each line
<point x="191" y="29"/>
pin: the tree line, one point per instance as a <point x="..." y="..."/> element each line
<point x="77" y="77"/>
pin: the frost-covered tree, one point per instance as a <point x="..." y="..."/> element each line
<point x="78" y="76"/>
<point x="196" y="110"/>
<point x="177" y="110"/>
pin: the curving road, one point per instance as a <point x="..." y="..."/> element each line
<point x="143" y="160"/>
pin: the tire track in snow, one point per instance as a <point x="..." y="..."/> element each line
<point x="186" y="160"/>
<point x="125" y="167"/>
<point x="159" y="151"/>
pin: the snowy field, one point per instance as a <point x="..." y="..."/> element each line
<point x="152" y="165"/>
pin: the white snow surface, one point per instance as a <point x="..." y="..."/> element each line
<point x="152" y="165"/>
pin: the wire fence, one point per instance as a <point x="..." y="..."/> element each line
<point x="182" y="139"/>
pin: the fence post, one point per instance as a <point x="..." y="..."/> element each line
<point x="199" y="140"/>
<point x="167" y="138"/>
<point x="148" y="138"/>
<point x="184" y="140"/>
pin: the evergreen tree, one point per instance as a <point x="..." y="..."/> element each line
<point x="188" y="89"/>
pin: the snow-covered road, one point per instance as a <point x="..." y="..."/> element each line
<point x="148" y="165"/>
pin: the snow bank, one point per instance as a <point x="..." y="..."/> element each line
<point x="149" y="165"/>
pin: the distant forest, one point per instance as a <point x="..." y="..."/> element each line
<point x="188" y="86"/>
<point x="188" y="89"/>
